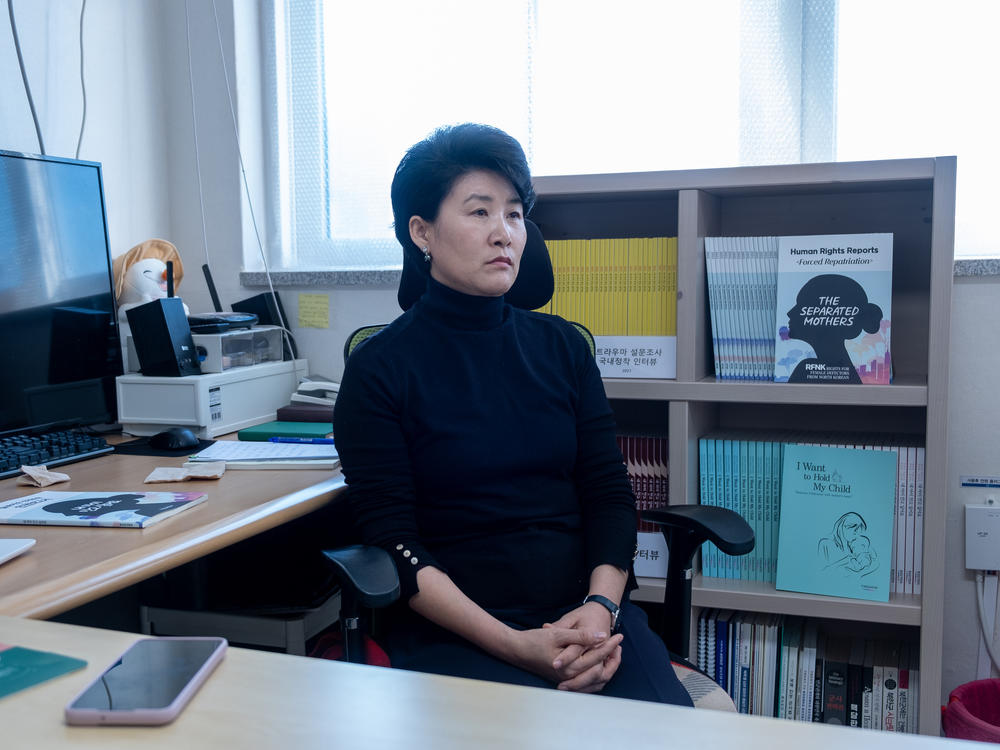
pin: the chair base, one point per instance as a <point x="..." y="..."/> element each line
<point x="704" y="691"/>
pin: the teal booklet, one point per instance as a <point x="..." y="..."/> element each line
<point x="24" y="667"/>
<point x="836" y="523"/>
<point x="268" y="430"/>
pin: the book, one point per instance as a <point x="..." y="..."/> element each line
<point x="918" y="524"/>
<point x="701" y="658"/>
<point x="23" y="667"/>
<point x="837" y="521"/>
<point x="722" y="629"/>
<point x="903" y="691"/>
<point x="835" y="680"/>
<point x="305" y="413"/>
<point x="235" y="452"/>
<point x="834" y="309"/>
<point x="855" y="682"/>
<point x="624" y="291"/>
<point x="890" y="693"/>
<point x="268" y="430"/>
<point x="817" y="708"/>
<point x="791" y="636"/>
<point x="867" y="685"/>
<point x="133" y="510"/>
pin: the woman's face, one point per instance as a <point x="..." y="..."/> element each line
<point x="478" y="237"/>
<point x="795" y="328"/>
<point x="852" y="530"/>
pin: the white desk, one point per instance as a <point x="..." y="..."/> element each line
<point x="265" y="700"/>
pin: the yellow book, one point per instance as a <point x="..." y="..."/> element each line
<point x="592" y="275"/>
<point x="557" y="250"/>
<point x="645" y="270"/>
<point x="573" y="308"/>
<point x="671" y="286"/>
<point x="602" y="322"/>
<point x="622" y="287"/>
<point x="634" y="266"/>
<point x="587" y="290"/>
<point x="661" y="286"/>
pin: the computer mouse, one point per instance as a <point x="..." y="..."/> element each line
<point x="174" y="439"/>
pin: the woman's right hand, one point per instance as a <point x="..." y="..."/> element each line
<point x="536" y="651"/>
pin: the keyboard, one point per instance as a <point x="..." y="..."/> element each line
<point x="49" y="448"/>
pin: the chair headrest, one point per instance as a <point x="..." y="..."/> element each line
<point x="532" y="288"/>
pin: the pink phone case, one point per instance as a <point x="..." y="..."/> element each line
<point x="147" y="716"/>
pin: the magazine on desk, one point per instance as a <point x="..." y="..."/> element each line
<point x="132" y="510"/>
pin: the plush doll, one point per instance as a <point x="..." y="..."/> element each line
<point x="141" y="274"/>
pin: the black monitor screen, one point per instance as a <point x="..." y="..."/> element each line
<point x="58" y="331"/>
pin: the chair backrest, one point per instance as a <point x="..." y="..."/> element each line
<point x="531" y="290"/>
<point x="361" y="334"/>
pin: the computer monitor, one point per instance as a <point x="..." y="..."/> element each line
<point x="58" y="328"/>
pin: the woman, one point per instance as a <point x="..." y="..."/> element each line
<point x="480" y="452"/>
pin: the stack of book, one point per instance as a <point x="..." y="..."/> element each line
<point x="649" y="472"/>
<point x="742" y="471"/>
<point x="625" y="292"/>
<point x="801" y="309"/>
<point x="787" y="667"/>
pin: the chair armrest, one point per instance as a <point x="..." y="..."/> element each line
<point x="686" y="528"/>
<point x="368" y="572"/>
<point x="723" y="527"/>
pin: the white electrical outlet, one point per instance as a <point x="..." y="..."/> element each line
<point x="982" y="537"/>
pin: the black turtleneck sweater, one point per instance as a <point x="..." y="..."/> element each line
<point x="477" y="438"/>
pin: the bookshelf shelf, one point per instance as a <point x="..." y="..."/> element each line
<point x="757" y="596"/>
<point x="914" y="199"/>
<point x="711" y="389"/>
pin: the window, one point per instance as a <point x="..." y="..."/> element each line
<point x="648" y="85"/>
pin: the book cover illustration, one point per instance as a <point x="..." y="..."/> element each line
<point x="114" y="509"/>
<point x="837" y="519"/>
<point x="834" y="309"/>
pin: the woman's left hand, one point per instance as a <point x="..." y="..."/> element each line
<point x="591" y="618"/>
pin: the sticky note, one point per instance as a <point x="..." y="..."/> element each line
<point x="314" y="310"/>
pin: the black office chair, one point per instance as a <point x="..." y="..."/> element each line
<point x="368" y="574"/>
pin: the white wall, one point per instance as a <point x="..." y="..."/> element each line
<point x="974" y="450"/>
<point x="139" y="126"/>
<point x="126" y="109"/>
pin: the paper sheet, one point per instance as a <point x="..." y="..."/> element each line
<point x="314" y="310"/>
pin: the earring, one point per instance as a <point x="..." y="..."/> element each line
<point x="427" y="254"/>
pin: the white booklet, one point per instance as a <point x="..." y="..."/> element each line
<point x="11" y="548"/>
<point x="135" y="510"/>
<point x="291" y="455"/>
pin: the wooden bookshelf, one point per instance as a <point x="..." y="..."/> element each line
<point x="912" y="198"/>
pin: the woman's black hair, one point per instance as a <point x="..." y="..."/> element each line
<point x="431" y="167"/>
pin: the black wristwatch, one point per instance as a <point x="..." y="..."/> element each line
<point x="610" y="606"/>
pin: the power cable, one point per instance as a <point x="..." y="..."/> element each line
<point x="987" y="635"/>
<point x="24" y="76"/>
<point x="83" y="83"/>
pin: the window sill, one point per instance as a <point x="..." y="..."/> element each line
<point x="977" y="267"/>
<point x="370" y="278"/>
<point x="965" y="267"/>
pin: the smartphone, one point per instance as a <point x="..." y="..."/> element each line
<point x="148" y="684"/>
